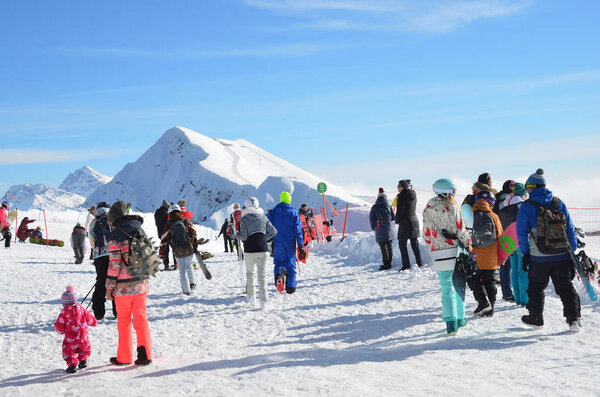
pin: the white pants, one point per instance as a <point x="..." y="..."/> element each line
<point x="259" y="261"/>
<point x="186" y="272"/>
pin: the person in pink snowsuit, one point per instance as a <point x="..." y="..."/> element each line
<point x="73" y="322"/>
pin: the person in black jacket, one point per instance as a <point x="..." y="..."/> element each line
<point x="407" y="221"/>
<point x="226" y="239"/>
<point x="160" y="218"/>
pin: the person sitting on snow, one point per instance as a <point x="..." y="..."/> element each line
<point x="24" y="231"/>
<point x="37" y="233"/>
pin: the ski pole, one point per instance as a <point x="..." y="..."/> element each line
<point x="88" y="294"/>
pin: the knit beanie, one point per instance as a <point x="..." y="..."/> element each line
<point x="536" y="180"/>
<point x="236" y="206"/>
<point x="182" y="203"/>
<point x="251" y="202"/>
<point x="519" y="189"/>
<point x="69" y="297"/>
<point x="165" y="204"/>
<point x="381" y="193"/>
<point x="118" y="210"/>
<point x="285" y="197"/>
<point x="405" y="183"/>
<point x="483" y="178"/>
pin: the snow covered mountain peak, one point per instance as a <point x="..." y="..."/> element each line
<point x="83" y="181"/>
<point x="211" y="174"/>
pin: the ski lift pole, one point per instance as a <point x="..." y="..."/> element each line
<point x="46" y="225"/>
<point x="345" y="219"/>
<point x="16" y="223"/>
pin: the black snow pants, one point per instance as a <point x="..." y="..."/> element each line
<point x="99" y="297"/>
<point x="404" y="252"/>
<point x="483" y="286"/>
<point x="560" y="272"/>
<point x="386" y="252"/>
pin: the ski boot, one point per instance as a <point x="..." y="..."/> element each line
<point x="280" y="281"/>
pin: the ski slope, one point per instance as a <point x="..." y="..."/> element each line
<point x="350" y="330"/>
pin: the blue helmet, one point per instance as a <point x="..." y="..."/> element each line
<point x="444" y="187"/>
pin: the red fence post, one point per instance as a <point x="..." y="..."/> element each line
<point x="46" y="224"/>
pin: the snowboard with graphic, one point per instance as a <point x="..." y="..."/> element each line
<point x="583" y="276"/>
<point x="307" y="239"/>
<point x="459" y="282"/>
<point x="508" y="243"/>
<point x="202" y="265"/>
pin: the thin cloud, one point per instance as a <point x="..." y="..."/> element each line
<point x="431" y="16"/>
<point x="288" y="50"/>
<point x="36" y="156"/>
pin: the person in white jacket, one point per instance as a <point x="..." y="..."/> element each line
<point x="443" y="228"/>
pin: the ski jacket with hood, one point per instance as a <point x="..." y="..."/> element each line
<point x="527" y="226"/>
<point x="487" y="257"/>
<point x="478" y="187"/>
<point x="118" y="279"/>
<point x="406" y="217"/>
<point x="24" y="228"/>
<point x="384" y="231"/>
<point x="3" y="218"/>
<point x="438" y="216"/>
<point x="254" y="228"/>
<point x="286" y="221"/>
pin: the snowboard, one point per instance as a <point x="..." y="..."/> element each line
<point x="12" y="215"/>
<point x="307" y="239"/>
<point x="508" y="243"/>
<point x="459" y="282"/>
<point x="583" y="276"/>
<point x="202" y="265"/>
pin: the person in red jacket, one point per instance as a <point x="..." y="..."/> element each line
<point x="72" y="323"/>
<point x="5" y="224"/>
<point x="24" y="231"/>
<point x="184" y="211"/>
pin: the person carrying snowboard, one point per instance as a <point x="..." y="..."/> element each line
<point x="487" y="230"/>
<point x="129" y="293"/>
<point x="286" y="221"/>
<point x="78" y="237"/>
<point x="380" y="218"/>
<point x="181" y="235"/>
<point x="407" y="221"/>
<point x="443" y="230"/>
<point x="72" y="323"/>
<point x="5" y="225"/>
<point x="99" y="232"/>
<point x="255" y="230"/>
<point x="546" y="233"/>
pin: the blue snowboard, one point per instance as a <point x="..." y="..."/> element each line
<point x="586" y="283"/>
<point x="460" y="283"/>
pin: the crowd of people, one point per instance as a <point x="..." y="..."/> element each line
<point x="544" y="231"/>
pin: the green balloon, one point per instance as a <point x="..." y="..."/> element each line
<point x="321" y="187"/>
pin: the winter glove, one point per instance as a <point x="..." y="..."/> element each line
<point x="526" y="263"/>
<point x="301" y="253"/>
<point x="448" y="235"/>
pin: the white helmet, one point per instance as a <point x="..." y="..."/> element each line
<point x="174" y="207"/>
<point x="251" y="202"/>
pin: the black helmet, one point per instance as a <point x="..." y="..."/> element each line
<point x="103" y="204"/>
<point x="5" y="204"/>
<point x="487" y="196"/>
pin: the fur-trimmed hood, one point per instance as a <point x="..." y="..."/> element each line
<point x="478" y="187"/>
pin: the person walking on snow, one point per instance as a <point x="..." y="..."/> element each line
<point x="487" y="230"/>
<point x="99" y="233"/>
<point x="443" y="230"/>
<point x="5" y="225"/>
<point x="286" y="221"/>
<point x="161" y="216"/>
<point x="545" y="251"/>
<point x="234" y="223"/>
<point x="184" y="211"/>
<point x="380" y="218"/>
<point x="78" y="237"/>
<point x="255" y="231"/>
<point x="407" y="221"/>
<point x="72" y="323"/>
<point x="181" y="235"/>
<point x="227" y="241"/>
<point x="128" y="292"/>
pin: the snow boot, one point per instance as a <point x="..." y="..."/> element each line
<point x="483" y="308"/>
<point x="452" y="327"/>
<point x="71" y="369"/>
<point x="82" y="364"/>
<point x="142" y="356"/>
<point x="533" y="321"/>
<point x="574" y="324"/>
<point x="280" y="281"/>
<point x="462" y="322"/>
<point x="192" y="287"/>
<point x="114" y="361"/>
<point x="385" y="266"/>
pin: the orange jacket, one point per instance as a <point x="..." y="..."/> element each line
<point x="487" y="257"/>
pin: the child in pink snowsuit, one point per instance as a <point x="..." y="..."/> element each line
<point x="72" y="322"/>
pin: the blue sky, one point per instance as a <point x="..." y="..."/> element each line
<point x="360" y="92"/>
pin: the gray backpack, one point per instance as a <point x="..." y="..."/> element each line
<point x="143" y="256"/>
<point x="484" y="230"/>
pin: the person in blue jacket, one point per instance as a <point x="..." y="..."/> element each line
<point x="286" y="220"/>
<point x="544" y="266"/>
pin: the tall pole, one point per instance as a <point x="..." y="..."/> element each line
<point x="345" y="219"/>
<point x="46" y="225"/>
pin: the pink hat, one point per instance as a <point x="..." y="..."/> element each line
<point x="69" y="297"/>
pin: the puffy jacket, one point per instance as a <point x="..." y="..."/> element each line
<point x="406" y="217"/>
<point x="254" y="226"/>
<point x="478" y="187"/>
<point x="166" y="237"/>
<point x="23" y="228"/>
<point x="160" y="218"/>
<point x="118" y="279"/>
<point x="527" y="226"/>
<point x="384" y="231"/>
<point x="286" y="221"/>
<point x="186" y="213"/>
<point x="3" y="218"/>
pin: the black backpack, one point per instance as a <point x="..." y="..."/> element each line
<point x="101" y="231"/>
<point x="179" y="235"/>
<point x="508" y="215"/>
<point x="551" y="236"/>
<point x="484" y="230"/>
<point x="384" y="217"/>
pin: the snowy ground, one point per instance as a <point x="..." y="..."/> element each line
<point x="349" y="330"/>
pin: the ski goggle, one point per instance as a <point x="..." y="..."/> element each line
<point x="530" y="186"/>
